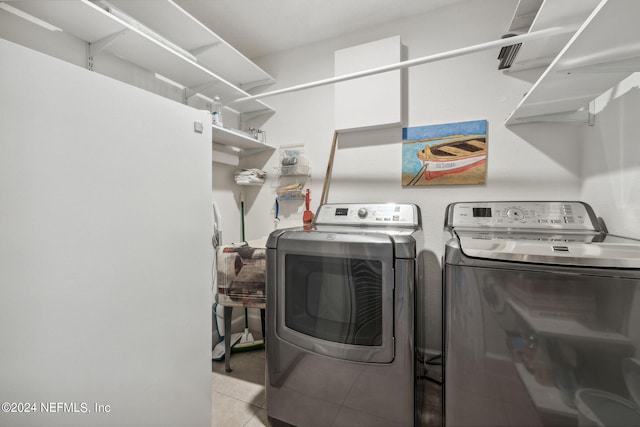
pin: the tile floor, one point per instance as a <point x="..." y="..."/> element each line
<point x="238" y="397"/>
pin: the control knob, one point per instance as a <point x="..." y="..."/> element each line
<point x="362" y="213"/>
<point x="515" y="214"/>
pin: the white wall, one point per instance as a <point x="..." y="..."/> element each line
<point x="538" y="162"/>
<point x="611" y="158"/>
<point x="105" y="250"/>
<point x="532" y="161"/>
<point x="465" y="88"/>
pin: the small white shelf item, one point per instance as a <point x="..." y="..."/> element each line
<point x="104" y="31"/>
<point x="250" y="183"/>
<point x="603" y="51"/>
<point x="252" y="176"/>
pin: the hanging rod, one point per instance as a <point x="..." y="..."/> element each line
<point x="418" y="61"/>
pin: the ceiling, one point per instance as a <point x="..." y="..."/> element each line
<point x="262" y="27"/>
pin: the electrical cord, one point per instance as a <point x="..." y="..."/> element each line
<point x="431" y="361"/>
<point x="433" y="380"/>
<point x="216" y="242"/>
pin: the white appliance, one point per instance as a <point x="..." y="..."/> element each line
<point x="340" y="317"/>
<point x="105" y="250"/>
<point x="541" y="317"/>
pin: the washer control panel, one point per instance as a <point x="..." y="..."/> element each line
<point x="380" y="214"/>
<point x="536" y="215"/>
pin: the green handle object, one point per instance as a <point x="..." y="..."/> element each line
<point x="242" y="215"/>
<point x="242" y="219"/>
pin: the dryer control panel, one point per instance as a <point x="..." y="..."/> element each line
<point x="371" y="214"/>
<point x="575" y="216"/>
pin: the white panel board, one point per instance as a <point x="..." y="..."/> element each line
<point x="105" y="252"/>
<point x="368" y="102"/>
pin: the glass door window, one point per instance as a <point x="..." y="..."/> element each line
<point x="335" y="295"/>
<point x="335" y="299"/>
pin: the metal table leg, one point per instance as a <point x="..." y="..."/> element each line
<point x="228" y="311"/>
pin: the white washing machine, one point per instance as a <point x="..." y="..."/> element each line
<point x="340" y="317"/>
<point x="541" y="317"/>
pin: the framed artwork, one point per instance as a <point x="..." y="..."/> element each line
<point x="445" y="154"/>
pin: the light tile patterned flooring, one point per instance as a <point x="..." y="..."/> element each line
<point x="238" y="397"/>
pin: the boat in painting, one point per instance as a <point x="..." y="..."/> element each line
<point x="452" y="156"/>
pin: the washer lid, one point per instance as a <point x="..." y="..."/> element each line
<point x="588" y="249"/>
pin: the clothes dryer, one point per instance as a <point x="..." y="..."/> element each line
<point x="340" y="317"/>
<point x="541" y="317"/>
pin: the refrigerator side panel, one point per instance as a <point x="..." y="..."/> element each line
<point x="105" y="250"/>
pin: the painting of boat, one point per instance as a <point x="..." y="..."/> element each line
<point x="452" y="156"/>
<point x="453" y="153"/>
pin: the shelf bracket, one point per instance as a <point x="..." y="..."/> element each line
<point x="227" y="155"/>
<point x="244" y="117"/>
<point x="202" y="49"/>
<point x="97" y="47"/>
<point x="251" y="151"/>
<point x="190" y="91"/>
<point x="256" y="83"/>
<point x="253" y="114"/>
<point x="627" y="65"/>
<point x="586" y="116"/>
